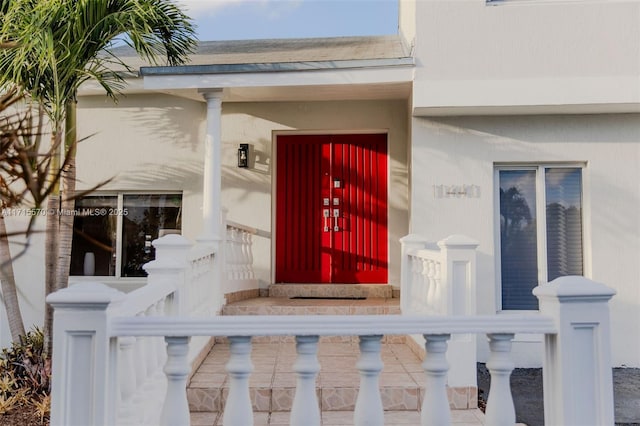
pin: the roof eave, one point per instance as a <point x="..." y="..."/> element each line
<point x="276" y="67"/>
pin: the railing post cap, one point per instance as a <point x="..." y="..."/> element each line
<point x="171" y="241"/>
<point x="574" y="288"/>
<point x="164" y="265"/>
<point x="412" y="239"/>
<point x="458" y="241"/>
<point x="86" y="295"/>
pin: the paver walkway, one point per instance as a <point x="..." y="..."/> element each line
<point x="273" y="381"/>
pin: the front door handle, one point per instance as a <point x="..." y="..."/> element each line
<point x="336" y="215"/>
<point x="325" y="214"/>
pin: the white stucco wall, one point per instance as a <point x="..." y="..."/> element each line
<point x="154" y="143"/>
<point x="161" y="149"/>
<point x="470" y="53"/>
<point x="143" y="143"/>
<point x="407" y="22"/>
<point x="247" y="193"/>
<point x="463" y="150"/>
<point x="27" y="253"/>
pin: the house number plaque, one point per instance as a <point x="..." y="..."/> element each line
<point x="456" y="191"/>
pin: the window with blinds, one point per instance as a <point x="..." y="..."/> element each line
<point x="541" y="234"/>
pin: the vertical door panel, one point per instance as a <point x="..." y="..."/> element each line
<point x="360" y="246"/>
<point x="298" y="213"/>
<point x="350" y="171"/>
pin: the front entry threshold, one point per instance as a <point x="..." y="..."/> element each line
<point x="344" y="291"/>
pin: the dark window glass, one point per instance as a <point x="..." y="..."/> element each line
<point x="93" y="249"/>
<point x="145" y="218"/>
<point x="518" y="241"/>
<point x="95" y="237"/>
<point x="519" y="236"/>
<point x="564" y="222"/>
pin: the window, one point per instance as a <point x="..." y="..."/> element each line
<point x="112" y="234"/>
<point x="540" y="229"/>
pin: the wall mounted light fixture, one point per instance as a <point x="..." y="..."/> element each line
<point x="243" y="155"/>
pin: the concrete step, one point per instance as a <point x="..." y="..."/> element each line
<point x="287" y="306"/>
<point x="334" y="290"/>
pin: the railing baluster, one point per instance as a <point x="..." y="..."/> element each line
<point x="248" y="246"/>
<point x="237" y="265"/>
<point x="435" y="406"/>
<point x="150" y="348"/>
<point x="126" y="377"/>
<point x="434" y="288"/>
<point x="369" y="409"/>
<point x="175" y="411"/>
<point x="305" y="410"/>
<point x="242" y="260"/>
<point x="500" y="366"/>
<point x="159" y="341"/>
<point x="140" y="371"/>
<point x="425" y="285"/>
<point x="238" y="410"/>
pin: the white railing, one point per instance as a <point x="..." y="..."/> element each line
<point x="140" y="358"/>
<point x="440" y="279"/>
<point x="239" y="254"/>
<point x="200" y="272"/>
<point x="91" y="322"/>
<point x="183" y="280"/>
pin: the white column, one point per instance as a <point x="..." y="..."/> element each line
<point x="212" y="188"/>
<point x="576" y="374"/>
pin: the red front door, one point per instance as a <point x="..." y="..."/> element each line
<point x="331" y="209"/>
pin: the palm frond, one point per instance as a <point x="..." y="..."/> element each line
<point x="60" y="44"/>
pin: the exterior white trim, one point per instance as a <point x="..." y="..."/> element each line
<point x="284" y="79"/>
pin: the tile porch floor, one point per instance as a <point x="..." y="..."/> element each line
<point x="273" y="381"/>
<point x="273" y="384"/>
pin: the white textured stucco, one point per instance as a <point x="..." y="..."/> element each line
<point x="464" y="150"/>
<point x="155" y="143"/>
<point x="247" y="193"/>
<point x="474" y="54"/>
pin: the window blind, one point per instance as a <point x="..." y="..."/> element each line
<point x="518" y="241"/>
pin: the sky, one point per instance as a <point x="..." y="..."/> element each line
<point x="259" y="19"/>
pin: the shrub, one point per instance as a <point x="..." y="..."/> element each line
<point x="25" y="375"/>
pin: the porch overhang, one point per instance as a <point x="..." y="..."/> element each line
<point x="288" y="81"/>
